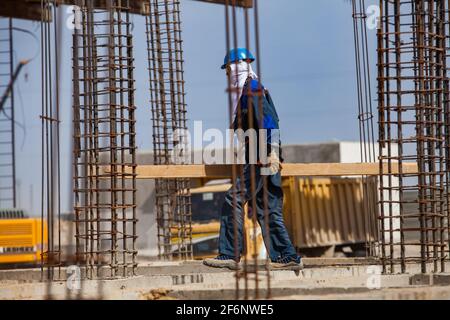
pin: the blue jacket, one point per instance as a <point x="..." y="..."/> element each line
<point x="254" y="95"/>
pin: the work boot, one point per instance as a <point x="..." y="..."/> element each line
<point x="222" y="261"/>
<point x="287" y="263"/>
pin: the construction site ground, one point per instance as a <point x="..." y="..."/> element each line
<point x="322" y="278"/>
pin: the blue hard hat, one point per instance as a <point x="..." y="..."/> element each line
<point x="236" y="55"/>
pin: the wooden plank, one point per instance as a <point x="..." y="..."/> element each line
<point x="289" y="170"/>
<point x="31" y="9"/>
<point x="239" y="3"/>
<point x="136" y="6"/>
<point x="21" y="9"/>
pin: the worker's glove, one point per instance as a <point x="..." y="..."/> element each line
<point x="273" y="166"/>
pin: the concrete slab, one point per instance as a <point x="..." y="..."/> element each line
<point x="192" y="280"/>
<point x="172" y="267"/>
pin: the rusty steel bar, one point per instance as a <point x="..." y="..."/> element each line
<point x="168" y="107"/>
<point x="50" y="171"/>
<point x="446" y="104"/>
<point x="104" y="135"/>
<point x="7" y="119"/>
<point x="254" y="272"/>
<point x="260" y="124"/>
<point x="413" y="123"/>
<point x="365" y="117"/>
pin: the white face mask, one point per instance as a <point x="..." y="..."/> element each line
<point x="239" y="73"/>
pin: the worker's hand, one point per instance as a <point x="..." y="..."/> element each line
<point x="273" y="166"/>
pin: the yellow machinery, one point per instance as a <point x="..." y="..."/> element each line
<point x="320" y="213"/>
<point x="330" y="212"/>
<point x="20" y="238"/>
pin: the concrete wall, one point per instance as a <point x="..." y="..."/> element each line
<point x="305" y="153"/>
<point x="145" y="197"/>
<point x="351" y="152"/>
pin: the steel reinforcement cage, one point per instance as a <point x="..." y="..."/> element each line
<point x="413" y="127"/>
<point x="104" y="136"/>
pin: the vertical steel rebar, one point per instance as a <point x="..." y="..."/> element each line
<point x="365" y="117"/>
<point x="168" y="107"/>
<point x="413" y="122"/>
<point x="104" y="140"/>
<point x="51" y="175"/>
<point x="7" y="119"/>
<point x="253" y="272"/>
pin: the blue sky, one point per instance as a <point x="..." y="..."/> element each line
<point x="307" y="59"/>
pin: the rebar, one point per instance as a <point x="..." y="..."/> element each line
<point x="50" y="145"/>
<point x="168" y="107"/>
<point x="104" y="141"/>
<point x="365" y="118"/>
<point x="254" y="275"/>
<point x="7" y="119"/>
<point x="413" y="122"/>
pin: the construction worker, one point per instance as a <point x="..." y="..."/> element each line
<point x="248" y="96"/>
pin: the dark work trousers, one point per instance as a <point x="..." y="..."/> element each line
<point x="280" y="244"/>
